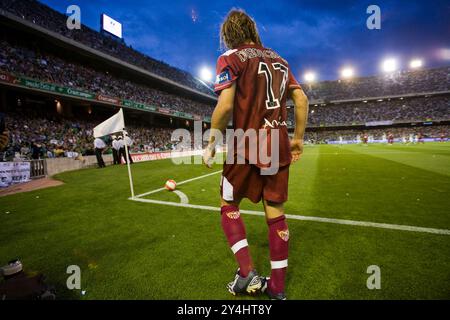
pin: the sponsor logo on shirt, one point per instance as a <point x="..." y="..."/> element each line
<point x="223" y="77"/>
<point x="274" y="123"/>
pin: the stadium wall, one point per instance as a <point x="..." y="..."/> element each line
<point x="59" y="165"/>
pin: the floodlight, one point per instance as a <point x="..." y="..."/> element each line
<point x="390" y="65"/>
<point x="310" y="77"/>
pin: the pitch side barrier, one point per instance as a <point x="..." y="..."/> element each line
<point x="152" y="156"/>
<point x="398" y="140"/>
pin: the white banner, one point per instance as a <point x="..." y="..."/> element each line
<point x="151" y="156"/>
<point x="379" y="123"/>
<point x="13" y="173"/>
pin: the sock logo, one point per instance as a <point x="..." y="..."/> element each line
<point x="233" y="215"/>
<point x="283" y="234"/>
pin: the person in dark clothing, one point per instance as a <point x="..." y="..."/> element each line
<point x="125" y="142"/>
<point x="99" y="145"/>
<point x="36" y="151"/>
<point x="115" y="150"/>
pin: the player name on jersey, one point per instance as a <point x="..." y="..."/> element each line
<point x="250" y="53"/>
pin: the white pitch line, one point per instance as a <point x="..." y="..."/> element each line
<point x="356" y="153"/>
<point x="178" y="184"/>
<point x="183" y="197"/>
<point x="308" y="218"/>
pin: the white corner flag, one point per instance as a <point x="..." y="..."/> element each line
<point x="114" y="124"/>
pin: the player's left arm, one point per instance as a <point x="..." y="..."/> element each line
<point x="301" y="117"/>
<point x="219" y="121"/>
<point x="301" y="104"/>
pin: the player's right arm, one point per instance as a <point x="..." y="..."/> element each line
<point x="301" y="116"/>
<point x="219" y="121"/>
<point x="227" y="71"/>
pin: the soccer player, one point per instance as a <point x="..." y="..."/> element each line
<point x="421" y="138"/>
<point x="404" y="139"/>
<point x="253" y="83"/>
<point x="365" y="139"/>
<point x="390" y="138"/>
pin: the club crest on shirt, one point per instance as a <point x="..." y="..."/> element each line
<point x="283" y="234"/>
<point x="233" y="214"/>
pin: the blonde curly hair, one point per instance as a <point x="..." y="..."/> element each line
<point x="237" y="29"/>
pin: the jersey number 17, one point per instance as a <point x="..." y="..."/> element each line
<point x="273" y="102"/>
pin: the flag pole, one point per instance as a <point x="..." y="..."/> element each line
<point x="127" y="160"/>
<point x="128" y="165"/>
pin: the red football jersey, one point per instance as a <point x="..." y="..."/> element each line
<point x="263" y="80"/>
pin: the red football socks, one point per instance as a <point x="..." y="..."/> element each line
<point x="279" y="247"/>
<point x="234" y="230"/>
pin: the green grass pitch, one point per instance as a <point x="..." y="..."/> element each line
<point x="137" y="250"/>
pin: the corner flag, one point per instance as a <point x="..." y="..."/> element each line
<point x="114" y="124"/>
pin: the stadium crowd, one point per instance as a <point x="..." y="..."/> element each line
<point x="33" y="136"/>
<point x="29" y="62"/>
<point x="39" y="65"/>
<point x="47" y="135"/>
<point x="25" y="61"/>
<point x="324" y="136"/>
<point x="411" y="109"/>
<point x="401" y="82"/>
<point x="52" y="20"/>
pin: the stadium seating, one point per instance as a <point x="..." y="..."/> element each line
<point x="52" y="20"/>
<point x="325" y="136"/>
<point x="398" y="83"/>
<point x="34" y="136"/>
<point x="396" y="110"/>
<point x="36" y="63"/>
<point x="47" y="67"/>
<point x="426" y="94"/>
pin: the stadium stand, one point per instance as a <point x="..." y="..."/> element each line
<point x="374" y="105"/>
<point x="29" y="61"/>
<point x="44" y="66"/>
<point x="395" y="110"/>
<point x="52" y="20"/>
<point x="393" y="84"/>
<point x="436" y="133"/>
<point x="34" y="135"/>
<point x="38" y="136"/>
